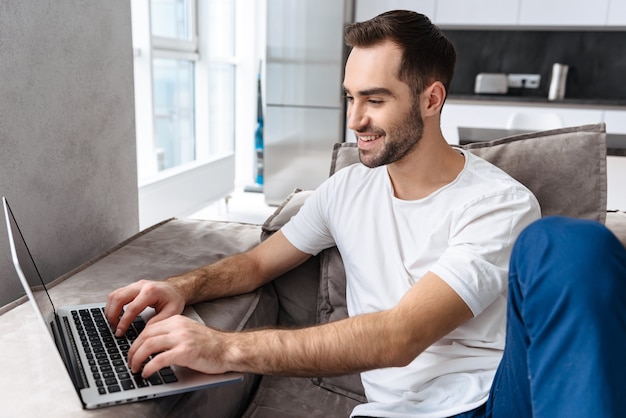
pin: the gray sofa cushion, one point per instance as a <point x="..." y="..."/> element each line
<point x="565" y="168"/>
<point x="290" y="397"/>
<point x="283" y="213"/>
<point x="296" y="289"/>
<point x="332" y="287"/>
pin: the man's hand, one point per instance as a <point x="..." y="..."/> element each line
<point x="181" y="341"/>
<point x="164" y="297"/>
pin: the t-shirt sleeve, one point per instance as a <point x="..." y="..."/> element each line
<point x="309" y="229"/>
<point x="476" y="262"/>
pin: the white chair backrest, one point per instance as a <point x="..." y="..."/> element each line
<point x="534" y="121"/>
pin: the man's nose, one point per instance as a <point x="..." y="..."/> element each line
<point x="357" y="117"/>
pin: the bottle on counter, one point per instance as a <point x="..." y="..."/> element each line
<point x="558" y="82"/>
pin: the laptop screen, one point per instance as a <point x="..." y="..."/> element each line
<point x="26" y="268"/>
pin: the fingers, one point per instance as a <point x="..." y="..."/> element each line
<point x="127" y="300"/>
<point x="158" y="361"/>
<point x="155" y="340"/>
<point x="168" y="337"/>
<point x="131" y="311"/>
<point x="175" y="341"/>
<point x="116" y="301"/>
<point x="131" y="300"/>
<point x="141" y="350"/>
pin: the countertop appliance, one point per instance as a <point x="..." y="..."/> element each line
<point x="491" y="83"/>
<point x="304" y="113"/>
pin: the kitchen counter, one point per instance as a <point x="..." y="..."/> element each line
<point x="525" y="100"/>
<point x="615" y="143"/>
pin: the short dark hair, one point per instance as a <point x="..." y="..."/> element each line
<point x="427" y="56"/>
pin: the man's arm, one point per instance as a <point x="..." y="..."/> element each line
<point x="238" y="274"/>
<point x="429" y="311"/>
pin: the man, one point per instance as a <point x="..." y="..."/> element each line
<point x="425" y="232"/>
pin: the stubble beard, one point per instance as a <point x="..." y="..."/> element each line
<point x="399" y="140"/>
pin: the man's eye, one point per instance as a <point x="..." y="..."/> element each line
<point x="374" y="101"/>
<point x="348" y="98"/>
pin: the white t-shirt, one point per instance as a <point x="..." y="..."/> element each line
<point x="463" y="232"/>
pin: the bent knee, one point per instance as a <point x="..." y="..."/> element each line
<point x="569" y="234"/>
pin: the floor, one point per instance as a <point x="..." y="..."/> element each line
<point x="240" y="206"/>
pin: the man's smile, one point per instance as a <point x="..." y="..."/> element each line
<point x="368" y="138"/>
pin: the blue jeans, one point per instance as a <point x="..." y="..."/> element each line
<point x="565" y="353"/>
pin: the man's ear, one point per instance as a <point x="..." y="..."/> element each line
<point x="433" y="98"/>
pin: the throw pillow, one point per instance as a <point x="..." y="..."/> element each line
<point x="297" y="290"/>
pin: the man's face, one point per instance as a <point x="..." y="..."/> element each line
<point x="385" y="118"/>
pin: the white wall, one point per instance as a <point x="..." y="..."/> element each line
<point x="67" y="135"/>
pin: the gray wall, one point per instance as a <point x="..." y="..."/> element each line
<point x="67" y="134"/>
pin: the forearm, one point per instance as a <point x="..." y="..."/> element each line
<point x="389" y="338"/>
<point x="352" y="345"/>
<point x="240" y="273"/>
<point x="230" y="276"/>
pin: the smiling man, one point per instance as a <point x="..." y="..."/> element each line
<point x="425" y="231"/>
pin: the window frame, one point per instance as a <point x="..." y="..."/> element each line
<point x="191" y="45"/>
<point x="175" y="191"/>
<point x="177" y="49"/>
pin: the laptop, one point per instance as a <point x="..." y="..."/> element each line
<point x="94" y="358"/>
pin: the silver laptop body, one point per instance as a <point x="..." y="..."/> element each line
<point x="96" y="363"/>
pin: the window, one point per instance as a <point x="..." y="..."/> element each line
<point x="175" y="51"/>
<point x="185" y="87"/>
<point x="186" y="106"/>
<point x="174" y="112"/>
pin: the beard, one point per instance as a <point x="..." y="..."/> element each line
<point x="399" y="140"/>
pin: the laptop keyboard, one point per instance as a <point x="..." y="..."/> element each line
<point x="108" y="355"/>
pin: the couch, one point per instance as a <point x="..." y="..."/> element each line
<point x="565" y="168"/>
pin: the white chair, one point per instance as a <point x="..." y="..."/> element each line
<point x="534" y="121"/>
